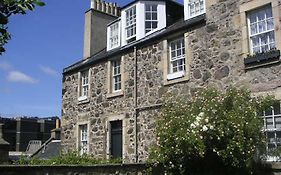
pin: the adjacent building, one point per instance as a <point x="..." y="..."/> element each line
<point x="137" y="54"/>
<point x="19" y="131"/>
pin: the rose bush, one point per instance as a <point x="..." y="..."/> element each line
<point x="210" y="133"/>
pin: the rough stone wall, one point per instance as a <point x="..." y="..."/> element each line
<point x="217" y="61"/>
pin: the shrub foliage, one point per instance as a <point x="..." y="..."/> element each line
<point x="211" y="133"/>
<point x="72" y="158"/>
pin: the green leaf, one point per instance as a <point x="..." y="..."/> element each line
<point x="39" y="3"/>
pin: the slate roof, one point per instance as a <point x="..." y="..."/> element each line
<point x="51" y="148"/>
<point x="181" y="25"/>
<point x="169" y="1"/>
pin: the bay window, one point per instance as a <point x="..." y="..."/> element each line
<point x="114" y="35"/>
<point x="131" y="23"/>
<point x="194" y="8"/>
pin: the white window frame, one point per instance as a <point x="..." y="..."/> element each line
<point x="116" y="75"/>
<point x="177" y="58"/>
<point x="84" y="85"/>
<point x="131" y="22"/>
<point x="83" y="139"/>
<point x="275" y="142"/>
<point x="114" y="35"/>
<point x="151" y="21"/>
<point x="266" y="32"/>
<point x="192" y="3"/>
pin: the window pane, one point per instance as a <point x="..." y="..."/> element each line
<point x="268" y="111"/>
<point x="148" y="16"/>
<point x="278" y="122"/>
<point x="154" y="8"/>
<point x="154" y="16"/>
<point x="278" y="136"/>
<point x="270" y="137"/>
<point x="261" y="26"/>
<point x="276" y="108"/>
<point x="269" y="123"/>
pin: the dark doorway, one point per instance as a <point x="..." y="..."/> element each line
<point x="116" y="139"/>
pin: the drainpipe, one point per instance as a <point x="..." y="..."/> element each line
<point x="135" y="102"/>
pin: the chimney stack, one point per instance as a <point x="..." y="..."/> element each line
<point x="96" y="20"/>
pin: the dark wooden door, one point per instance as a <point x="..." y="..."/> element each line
<point x="116" y="139"/>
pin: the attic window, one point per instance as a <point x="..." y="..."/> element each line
<point x="195" y="8"/>
<point x="131" y="23"/>
<point x="114" y="35"/>
<point x="151" y="21"/>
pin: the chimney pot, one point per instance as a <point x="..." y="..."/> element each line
<point x="106" y="8"/>
<point x="98" y="5"/>
<point x="103" y="7"/>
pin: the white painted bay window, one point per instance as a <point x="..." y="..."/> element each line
<point x="141" y="19"/>
<point x="116" y="75"/>
<point x="261" y="30"/>
<point x="83" y="139"/>
<point x="151" y="19"/>
<point x="194" y="8"/>
<point x="177" y="59"/>
<point x="131" y="23"/>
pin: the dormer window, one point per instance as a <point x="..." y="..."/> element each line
<point x="141" y="19"/>
<point x="113" y="31"/>
<point x="131" y="23"/>
<point x="194" y="8"/>
<point x="151" y="21"/>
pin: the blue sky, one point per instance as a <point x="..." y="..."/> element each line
<point x="43" y="43"/>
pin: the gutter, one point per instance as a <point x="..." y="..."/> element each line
<point x="136" y="102"/>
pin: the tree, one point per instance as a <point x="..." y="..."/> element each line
<point x="211" y="133"/>
<point x="13" y="7"/>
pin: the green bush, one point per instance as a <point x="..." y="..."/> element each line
<point x="210" y="133"/>
<point x="72" y="158"/>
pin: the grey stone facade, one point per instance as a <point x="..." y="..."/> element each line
<point x="216" y="59"/>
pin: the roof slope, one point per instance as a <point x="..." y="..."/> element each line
<point x="181" y="25"/>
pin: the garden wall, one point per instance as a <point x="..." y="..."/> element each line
<point x="116" y="169"/>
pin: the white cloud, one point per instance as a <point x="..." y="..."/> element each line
<point x="49" y="71"/>
<point x="16" y="76"/>
<point x="5" y="66"/>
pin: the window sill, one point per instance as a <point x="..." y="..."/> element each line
<point x="176" y="80"/>
<point x="83" y="100"/>
<point x="262" y="59"/>
<point x="176" y="75"/>
<point x="194" y="17"/>
<point x="112" y="48"/>
<point x="114" y="94"/>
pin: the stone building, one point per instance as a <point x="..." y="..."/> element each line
<point x="136" y="54"/>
